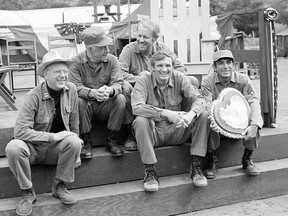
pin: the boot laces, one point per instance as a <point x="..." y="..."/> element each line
<point x="62" y="188"/>
<point x="150" y="175"/>
<point x="27" y="195"/>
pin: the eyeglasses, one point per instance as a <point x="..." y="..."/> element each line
<point x="59" y="72"/>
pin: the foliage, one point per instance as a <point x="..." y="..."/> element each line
<point x="248" y="22"/>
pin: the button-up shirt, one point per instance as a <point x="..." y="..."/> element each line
<point x="87" y="76"/>
<point x="35" y="118"/>
<point x="148" y="100"/>
<point x="132" y="62"/>
<point x="211" y="88"/>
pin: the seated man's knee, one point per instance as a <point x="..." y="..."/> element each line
<point x="127" y="88"/>
<point x="75" y="143"/>
<point x="14" y="148"/>
<point x="205" y="114"/>
<point x="140" y="122"/>
<point x="120" y="101"/>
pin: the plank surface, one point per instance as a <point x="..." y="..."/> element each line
<point x="176" y="194"/>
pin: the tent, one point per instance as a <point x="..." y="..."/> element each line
<point x="56" y="21"/>
<point x="125" y="30"/>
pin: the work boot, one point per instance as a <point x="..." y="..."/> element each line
<point x="151" y="182"/>
<point x="86" y="151"/>
<point x="25" y="206"/>
<point x="130" y="143"/>
<point x="210" y="173"/>
<point x="247" y="163"/>
<point x="198" y="178"/>
<point x="111" y="144"/>
<point x="59" y="191"/>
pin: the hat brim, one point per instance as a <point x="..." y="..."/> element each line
<point x="222" y="57"/>
<point x="104" y="42"/>
<point x="41" y="67"/>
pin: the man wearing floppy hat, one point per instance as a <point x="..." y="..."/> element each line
<point x="46" y="132"/>
<point x="98" y="78"/>
<point x="211" y="86"/>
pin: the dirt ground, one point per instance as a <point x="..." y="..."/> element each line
<point x="275" y="206"/>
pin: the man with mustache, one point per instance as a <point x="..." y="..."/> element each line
<point x="46" y="132"/>
<point x="98" y="78"/>
<point x="162" y="118"/>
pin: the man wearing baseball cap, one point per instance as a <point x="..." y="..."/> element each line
<point x="46" y="132"/>
<point x="211" y="86"/>
<point x="98" y="78"/>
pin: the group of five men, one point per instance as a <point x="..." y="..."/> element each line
<point x="146" y="92"/>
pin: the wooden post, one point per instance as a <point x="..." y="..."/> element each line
<point x="168" y="24"/>
<point x="194" y="30"/>
<point x="266" y="93"/>
<point x="95" y="10"/>
<point x="118" y="11"/>
<point x="182" y="31"/>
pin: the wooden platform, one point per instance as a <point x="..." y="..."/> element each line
<point x="176" y="194"/>
<point x="173" y="160"/>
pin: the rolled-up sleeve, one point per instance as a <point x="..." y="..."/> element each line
<point x="254" y="103"/>
<point x="138" y="100"/>
<point x="192" y="93"/>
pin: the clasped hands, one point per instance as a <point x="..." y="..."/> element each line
<point x="102" y="94"/>
<point x="180" y="118"/>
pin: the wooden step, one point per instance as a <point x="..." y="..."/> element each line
<point x="172" y="160"/>
<point x="176" y="194"/>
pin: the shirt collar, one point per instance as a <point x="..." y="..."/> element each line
<point x="154" y="48"/>
<point x="233" y="78"/>
<point x="154" y="82"/>
<point x="45" y="92"/>
<point x="84" y="57"/>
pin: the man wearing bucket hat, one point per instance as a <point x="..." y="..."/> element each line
<point x="211" y="86"/>
<point x="46" y="132"/>
<point x="98" y="78"/>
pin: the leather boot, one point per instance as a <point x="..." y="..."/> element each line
<point x="198" y="178"/>
<point x="248" y="164"/>
<point x="86" y="151"/>
<point x="130" y="142"/>
<point x="25" y="206"/>
<point x="60" y="191"/>
<point x="210" y="173"/>
<point x="151" y="182"/>
<point x="111" y="144"/>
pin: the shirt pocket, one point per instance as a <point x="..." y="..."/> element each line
<point x="175" y="103"/>
<point x="87" y="80"/>
<point x="42" y="118"/>
<point x="135" y="71"/>
<point x="103" y="80"/>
